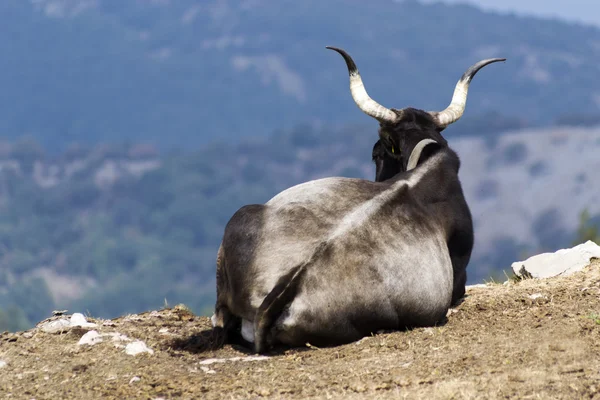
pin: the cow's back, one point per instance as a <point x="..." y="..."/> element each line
<point x="364" y="285"/>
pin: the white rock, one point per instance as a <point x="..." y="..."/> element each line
<point x="163" y="330"/>
<point x="134" y="380"/>
<point x="451" y="311"/>
<point x="563" y="262"/>
<point x="58" y="325"/>
<point x="3" y="364"/>
<point x="208" y="370"/>
<point x="137" y="347"/>
<point x="78" y="319"/>
<point x="63" y="324"/>
<point x="476" y="286"/>
<point x="117" y="337"/>
<point x="536" y="296"/>
<point x="132" y="317"/>
<point x="90" y="338"/>
<point x="243" y="359"/>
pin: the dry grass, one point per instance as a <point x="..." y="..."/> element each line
<point x="500" y="343"/>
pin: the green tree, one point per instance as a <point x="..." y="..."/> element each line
<point x="587" y="230"/>
<point x="13" y="319"/>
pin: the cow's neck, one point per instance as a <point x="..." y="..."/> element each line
<point x="396" y="191"/>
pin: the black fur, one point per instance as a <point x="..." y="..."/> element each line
<point x="414" y="126"/>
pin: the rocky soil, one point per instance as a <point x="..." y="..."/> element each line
<point x="527" y="339"/>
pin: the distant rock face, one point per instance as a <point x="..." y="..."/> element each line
<point x="563" y="262"/>
<point x="511" y="190"/>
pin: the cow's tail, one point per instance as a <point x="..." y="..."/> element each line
<point x="272" y="306"/>
<point x="282" y="294"/>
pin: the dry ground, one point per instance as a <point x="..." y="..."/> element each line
<point x="500" y="343"/>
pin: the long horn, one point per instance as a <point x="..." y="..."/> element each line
<point x="459" y="100"/>
<point x="360" y="95"/>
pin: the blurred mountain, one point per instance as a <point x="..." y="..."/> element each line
<point x="122" y="229"/>
<point x="182" y="73"/>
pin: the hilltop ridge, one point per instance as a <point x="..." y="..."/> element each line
<point x="514" y="340"/>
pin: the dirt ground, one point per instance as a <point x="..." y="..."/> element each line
<point x="531" y="339"/>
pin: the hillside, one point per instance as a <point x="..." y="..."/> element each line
<point x="181" y="73"/>
<point x="530" y="339"/>
<point x="93" y="228"/>
<point x="527" y="189"/>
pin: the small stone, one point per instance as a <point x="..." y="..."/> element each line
<point x="132" y="317"/>
<point x="78" y="319"/>
<point x="56" y="326"/>
<point x="90" y="338"/>
<point x="117" y="337"/>
<point x="163" y="330"/>
<point x="3" y="364"/>
<point x="137" y="347"/>
<point x="539" y="298"/>
<point x="209" y="361"/>
<point x="264" y="392"/>
<point x="476" y="286"/>
<point x="451" y="311"/>
<point x="27" y="335"/>
<point x="134" y="380"/>
<point x="208" y="370"/>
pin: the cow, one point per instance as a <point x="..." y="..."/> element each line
<point x="332" y="260"/>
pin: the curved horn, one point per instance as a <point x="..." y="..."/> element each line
<point x="459" y="100"/>
<point x="413" y="160"/>
<point x="359" y="93"/>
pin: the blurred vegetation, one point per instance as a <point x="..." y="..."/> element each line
<point x="110" y="240"/>
<point x="588" y="229"/>
<point x="13" y="319"/>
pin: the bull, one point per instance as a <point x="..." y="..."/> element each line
<point x="332" y="260"/>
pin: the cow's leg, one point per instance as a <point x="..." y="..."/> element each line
<point x="223" y="321"/>
<point x="459" y="267"/>
<point x="460" y="246"/>
<point x="227" y="325"/>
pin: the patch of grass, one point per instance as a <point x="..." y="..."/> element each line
<point x="595" y="317"/>
<point x="513" y="278"/>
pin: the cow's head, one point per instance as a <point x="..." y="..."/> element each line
<point x="407" y="135"/>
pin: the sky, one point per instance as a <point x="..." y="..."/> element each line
<point x="586" y="11"/>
